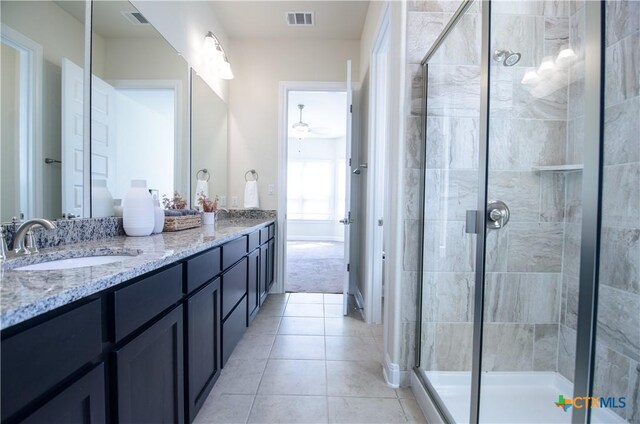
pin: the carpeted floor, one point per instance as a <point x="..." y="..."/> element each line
<point x="315" y="266"/>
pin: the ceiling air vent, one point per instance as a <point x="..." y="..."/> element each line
<point x="300" y="18"/>
<point x="135" y="18"/>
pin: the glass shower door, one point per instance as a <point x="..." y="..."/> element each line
<point x="451" y="187"/>
<point x="534" y="190"/>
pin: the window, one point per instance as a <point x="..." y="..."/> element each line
<point x="311" y="189"/>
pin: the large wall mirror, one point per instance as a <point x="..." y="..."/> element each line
<point x="41" y="42"/>
<point x="139" y="114"/>
<point x="208" y="141"/>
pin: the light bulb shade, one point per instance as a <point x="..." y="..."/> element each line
<point x="547" y="67"/>
<point x="209" y="47"/>
<point x="531" y="77"/>
<point x="224" y="71"/>
<point x="565" y="57"/>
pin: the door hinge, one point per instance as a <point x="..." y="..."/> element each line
<point x="350" y="108"/>
<point x="348" y="267"/>
<point x="349" y="161"/>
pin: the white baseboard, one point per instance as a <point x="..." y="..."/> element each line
<point x="426" y="404"/>
<point x="391" y="372"/>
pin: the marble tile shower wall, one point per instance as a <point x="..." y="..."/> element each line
<point x="618" y="332"/>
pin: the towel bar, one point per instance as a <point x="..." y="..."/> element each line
<point x="252" y="172"/>
<point x="205" y="172"/>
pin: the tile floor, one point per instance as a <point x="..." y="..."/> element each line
<point x="301" y="361"/>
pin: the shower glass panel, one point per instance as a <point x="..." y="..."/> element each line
<point x="535" y="168"/>
<point x="617" y="355"/>
<point x="451" y="188"/>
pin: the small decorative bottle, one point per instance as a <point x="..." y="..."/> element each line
<point x="138" y="213"/>
<point x="158" y="214"/>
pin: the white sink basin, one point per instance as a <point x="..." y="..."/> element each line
<point x="74" y="263"/>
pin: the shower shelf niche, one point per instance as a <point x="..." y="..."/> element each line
<point x="559" y="168"/>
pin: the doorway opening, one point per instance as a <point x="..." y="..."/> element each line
<point x="315" y="202"/>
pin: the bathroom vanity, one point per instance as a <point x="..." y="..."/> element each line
<point x="141" y="340"/>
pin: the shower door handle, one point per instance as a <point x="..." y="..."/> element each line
<point x="497" y="214"/>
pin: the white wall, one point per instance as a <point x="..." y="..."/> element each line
<point x="184" y="27"/>
<point x="9" y="164"/>
<point x="145" y="140"/>
<point x="259" y="66"/>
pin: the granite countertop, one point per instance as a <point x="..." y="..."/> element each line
<point x="26" y="294"/>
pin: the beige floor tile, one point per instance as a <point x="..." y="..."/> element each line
<point x="289" y="409"/>
<point x="264" y="324"/>
<point x="254" y="346"/>
<point x="334" y="311"/>
<point x="293" y="377"/>
<point x="304" y="310"/>
<point x="405" y="393"/>
<point x="341" y="348"/>
<point x="365" y="410"/>
<point x="241" y="376"/>
<point x="226" y="409"/>
<point x="357" y="378"/>
<point x="377" y="330"/>
<point x="306" y="298"/>
<point x="346" y="327"/>
<point x="412" y="411"/>
<point x="298" y="347"/>
<point x="335" y="299"/>
<point x="272" y="309"/>
<point x="302" y="326"/>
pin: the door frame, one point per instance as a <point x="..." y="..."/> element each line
<point x="31" y="156"/>
<point x="377" y="172"/>
<point x="283" y="147"/>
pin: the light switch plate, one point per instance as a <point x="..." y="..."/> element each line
<point x="223" y="201"/>
<point x="234" y="201"/>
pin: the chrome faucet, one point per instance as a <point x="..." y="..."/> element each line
<point x="23" y="241"/>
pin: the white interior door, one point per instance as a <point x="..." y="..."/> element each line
<point x="103" y="132"/>
<point x="347" y="201"/>
<point x="72" y="143"/>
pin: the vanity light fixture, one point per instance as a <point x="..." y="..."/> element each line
<point x="215" y="54"/>
<point x="547" y="67"/>
<point x="565" y="57"/>
<point x="531" y="77"/>
<point x="300" y="129"/>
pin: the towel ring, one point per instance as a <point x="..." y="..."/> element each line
<point x="205" y="172"/>
<point x="252" y="172"/>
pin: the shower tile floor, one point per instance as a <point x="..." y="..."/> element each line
<point x="315" y="266"/>
<point x="302" y="361"/>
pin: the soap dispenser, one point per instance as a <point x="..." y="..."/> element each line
<point x="158" y="213"/>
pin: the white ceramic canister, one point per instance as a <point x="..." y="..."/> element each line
<point x="138" y="213"/>
<point x="101" y="200"/>
<point x="209" y="219"/>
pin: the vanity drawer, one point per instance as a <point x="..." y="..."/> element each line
<point x="234" y="286"/>
<point x="233" y="251"/>
<point x="203" y="268"/>
<point x="254" y="240"/>
<point x="37" y="359"/>
<point x="264" y="235"/>
<point x="233" y="329"/>
<point x="140" y="302"/>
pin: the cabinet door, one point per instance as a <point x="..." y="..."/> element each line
<point x="82" y="402"/>
<point x="149" y="374"/>
<point x="271" y="256"/>
<point x="264" y="251"/>
<point x="203" y="345"/>
<point x="253" y="284"/>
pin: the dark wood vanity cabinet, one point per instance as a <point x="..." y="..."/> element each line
<point x="148" y="350"/>
<point x="202" y="345"/>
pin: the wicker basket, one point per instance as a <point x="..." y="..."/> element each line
<point x="177" y="223"/>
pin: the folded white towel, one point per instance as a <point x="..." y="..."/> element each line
<point x="202" y="188"/>
<point x="251" y="195"/>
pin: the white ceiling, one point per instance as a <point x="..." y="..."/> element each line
<point x="335" y="20"/>
<point x="324" y="111"/>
